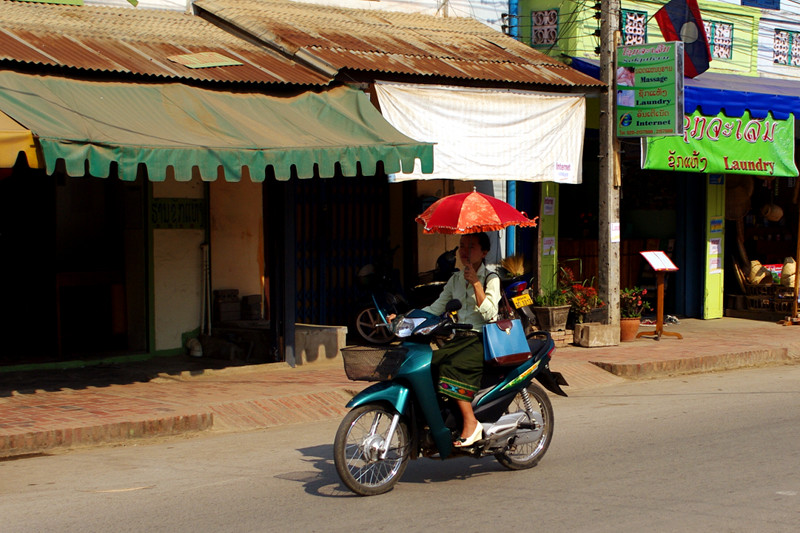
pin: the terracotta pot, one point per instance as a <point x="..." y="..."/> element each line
<point x="628" y="328"/>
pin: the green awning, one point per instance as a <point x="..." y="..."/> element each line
<point x="174" y="128"/>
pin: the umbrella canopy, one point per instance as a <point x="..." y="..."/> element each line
<point x="471" y="212"/>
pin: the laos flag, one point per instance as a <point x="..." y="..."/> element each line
<point x="679" y="20"/>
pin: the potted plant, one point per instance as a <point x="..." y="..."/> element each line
<point x="583" y="299"/>
<point x="632" y="304"/>
<point x="551" y="307"/>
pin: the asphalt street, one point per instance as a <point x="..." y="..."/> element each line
<point x="709" y="452"/>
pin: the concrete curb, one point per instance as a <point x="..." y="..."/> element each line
<point x="694" y="365"/>
<point x="37" y="442"/>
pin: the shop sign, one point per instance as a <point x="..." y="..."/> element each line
<point x="720" y="144"/>
<point x="178" y="213"/>
<point x="649" y="86"/>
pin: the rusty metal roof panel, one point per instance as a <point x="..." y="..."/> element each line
<point x="385" y="42"/>
<point x="137" y="42"/>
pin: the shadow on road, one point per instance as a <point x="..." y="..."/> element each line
<point x="105" y="374"/>
<point x="322" y="479"/>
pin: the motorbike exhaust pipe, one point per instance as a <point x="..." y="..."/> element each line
<point x="504" y="426"/>
<point x="517" y="427"/>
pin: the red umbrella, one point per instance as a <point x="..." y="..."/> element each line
<point x="471" y="212"/>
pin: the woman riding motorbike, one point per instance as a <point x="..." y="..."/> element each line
<point x="460" y="360"/>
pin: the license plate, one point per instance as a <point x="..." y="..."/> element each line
<point x="522" y="300"/>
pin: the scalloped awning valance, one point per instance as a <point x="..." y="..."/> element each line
<point x="180" y="131"/>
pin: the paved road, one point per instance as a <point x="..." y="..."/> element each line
<point x="713" y="452"/>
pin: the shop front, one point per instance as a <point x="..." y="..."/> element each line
<point x="699" y="197"/>
<point x="106" y="217"/>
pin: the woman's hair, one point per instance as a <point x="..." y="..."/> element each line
<point x="484" y="242"/>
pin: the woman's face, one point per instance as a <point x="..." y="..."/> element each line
<point x="469" y="251"/>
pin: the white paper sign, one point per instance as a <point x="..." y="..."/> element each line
<point x="614" y="228"/>
<point x="549" y="246"/>
<point x="549" y="205"/>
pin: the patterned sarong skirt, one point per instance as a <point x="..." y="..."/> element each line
<point x="460" y="365"/>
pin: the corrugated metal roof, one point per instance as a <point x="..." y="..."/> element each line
<point x="395" y="43"/>
<point x="138" y="42"/>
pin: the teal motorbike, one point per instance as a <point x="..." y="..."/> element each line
<point x="402" y="417"/>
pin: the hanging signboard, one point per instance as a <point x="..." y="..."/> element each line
<point x="649" y="87"/>
<point x="724" y="145"/>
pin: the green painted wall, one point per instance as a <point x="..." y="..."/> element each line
<point x="577" y="25"/>
<point x="548" y="221"/>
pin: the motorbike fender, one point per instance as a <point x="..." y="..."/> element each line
<point x="392" y="392"/>
<point x="552" y="380"/>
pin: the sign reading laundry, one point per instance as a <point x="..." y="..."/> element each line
<point x="720" y="144"/>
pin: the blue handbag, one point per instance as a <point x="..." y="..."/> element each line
<point x="504" y="343"/>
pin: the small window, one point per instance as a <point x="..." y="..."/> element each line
<point x="544" y="27"/>
<point x="786" y="48"/>
<point x="762" y="4"/>
<point x="634" y="27"/>
<point x="720" y="39"/>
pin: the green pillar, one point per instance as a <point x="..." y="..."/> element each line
<point x="715" y="247"/>
<point x="548" y="243"/>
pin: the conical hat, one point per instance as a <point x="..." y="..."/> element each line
<point x="788" y="271"/>
<point x="757" y="272"/>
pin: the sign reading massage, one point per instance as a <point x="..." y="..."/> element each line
<point x="649" y="87"/>
<point x="720" y="144"/>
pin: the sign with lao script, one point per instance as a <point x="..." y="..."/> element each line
<point x="649" y="85"/>
<point x="726" y="145"/>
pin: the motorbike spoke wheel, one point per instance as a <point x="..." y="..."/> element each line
<point x="358" y="446"/>
<point x="367" y="326"/>
<point x="527" y="455"/>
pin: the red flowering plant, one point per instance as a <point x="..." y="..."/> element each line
<point x="632" y="302"/>
<point x="584" y="298"/>
<point x="581" y="295"/>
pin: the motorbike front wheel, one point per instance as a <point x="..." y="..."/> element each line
<point x="368" y="324"/>
<point x="527" y="455"/>
<point x="358" y="447"/>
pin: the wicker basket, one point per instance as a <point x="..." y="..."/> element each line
<point x="367" y="363"/>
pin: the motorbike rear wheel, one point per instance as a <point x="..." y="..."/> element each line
<point x="356" y="450"/>
<point x="367" y="325"/>
<point x="522" y="456"/>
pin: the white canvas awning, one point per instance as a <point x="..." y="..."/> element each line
<point x="490" y="134"/>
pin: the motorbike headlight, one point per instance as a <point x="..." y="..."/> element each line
<point x="426" y="330"/>
<point x="406" y="326"/>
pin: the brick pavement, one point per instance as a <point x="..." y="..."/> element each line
<point x="261" y="396"/>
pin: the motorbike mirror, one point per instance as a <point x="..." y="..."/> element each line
<point x="452" y="306"/>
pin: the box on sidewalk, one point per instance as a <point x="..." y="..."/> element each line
<point x="595" y="334"/>
<point x="227" y="307"/>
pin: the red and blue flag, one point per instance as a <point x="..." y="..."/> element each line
<point x="679" y="20"/>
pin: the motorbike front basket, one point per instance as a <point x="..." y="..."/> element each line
<point x="368" y="363"/>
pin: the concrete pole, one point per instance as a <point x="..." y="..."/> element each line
<point x="608" y="209"/>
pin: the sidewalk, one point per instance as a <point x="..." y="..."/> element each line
<point x="85" y="413"/>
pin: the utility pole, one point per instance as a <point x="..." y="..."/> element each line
<point x="610" y="179"/>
